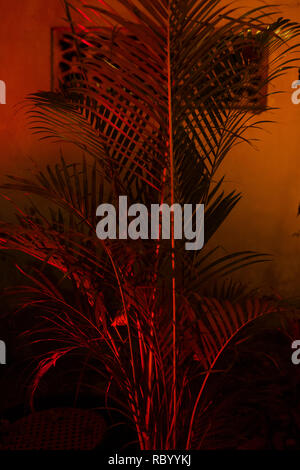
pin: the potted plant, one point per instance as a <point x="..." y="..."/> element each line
<point x="155" y="97"/>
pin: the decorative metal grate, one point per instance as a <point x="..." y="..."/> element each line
<point x="246" y="72"/>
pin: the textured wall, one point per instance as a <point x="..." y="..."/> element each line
<point x="269" y="179"/>
<point x="25" y="67"/>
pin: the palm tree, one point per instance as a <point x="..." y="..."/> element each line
<point x="156" y="99"/>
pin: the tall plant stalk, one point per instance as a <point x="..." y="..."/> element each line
<point x="171" y="151"/>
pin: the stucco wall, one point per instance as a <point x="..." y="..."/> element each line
<point x="25" y="67"/>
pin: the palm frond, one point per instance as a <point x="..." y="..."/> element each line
<point x="152" y="99"/>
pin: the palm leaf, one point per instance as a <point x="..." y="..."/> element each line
<point x="152" y="100"/>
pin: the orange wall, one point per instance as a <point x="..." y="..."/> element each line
<point x="25" y="67"/>
<point x="269" y="178"/>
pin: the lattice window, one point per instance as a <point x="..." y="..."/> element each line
<point x="246" y="80"/>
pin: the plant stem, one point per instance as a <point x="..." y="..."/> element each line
<point x="171" y="156"/>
